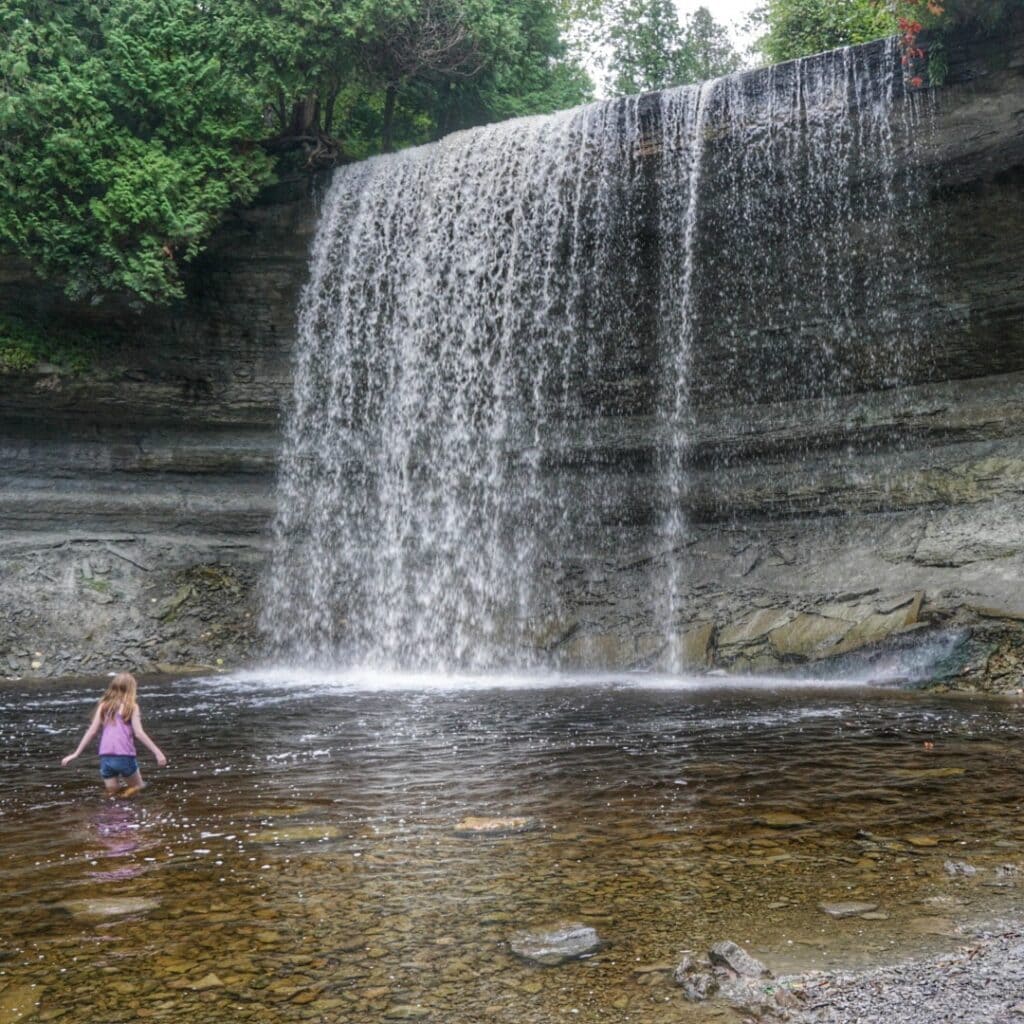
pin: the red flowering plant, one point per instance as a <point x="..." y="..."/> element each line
<point x="913" y="17"/>
<point x="925" y="63"/>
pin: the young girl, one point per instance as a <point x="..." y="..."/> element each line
<point x="119" y="717"/>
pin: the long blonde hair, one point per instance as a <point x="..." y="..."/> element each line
<point x="119" y="698"/>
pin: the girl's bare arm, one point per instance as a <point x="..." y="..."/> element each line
<point x="94" y="727"/>
<point x="140" y="734"/>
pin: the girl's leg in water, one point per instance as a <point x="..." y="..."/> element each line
<point x="133" y="784"/>
<point x="112" y="785"/>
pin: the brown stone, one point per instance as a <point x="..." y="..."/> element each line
<point x="754" y="627"/>
<point x="808" y="635"/>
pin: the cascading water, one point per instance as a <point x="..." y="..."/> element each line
<point x="478" y="309"/>
<point x="785" y="216"/>
<point x="458" y="294"/>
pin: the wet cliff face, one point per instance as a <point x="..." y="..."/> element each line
<point x="824" y="513"/>
<point x="135" y="495"/>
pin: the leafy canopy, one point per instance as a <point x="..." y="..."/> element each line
<point x="129" y="127"/>
<point x="124" y="132"/>
<point x="799" y="28"/>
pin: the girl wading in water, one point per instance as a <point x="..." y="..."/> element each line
<point x="117" y="714"/>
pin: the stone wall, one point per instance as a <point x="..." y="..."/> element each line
<point x="136" y="496"/>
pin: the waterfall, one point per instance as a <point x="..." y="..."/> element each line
<point x="788" y="248"/>
<point x="458" y="293"/>
<point x="480" y="310"/>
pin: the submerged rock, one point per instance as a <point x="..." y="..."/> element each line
<point x="206" y="982"/>
<point x="296" y="834"/>
<point x="19" y="1002"/>
<point x="100" y="908"/>
<point x="406" y="1013"/>
<point x="556" y="944"/>
<point x="922" y="841"/>
<point x="474" y="826"/>
<point x="949" y="772"/>
<point x="847" y="908"/>
<point x="781" y="820"/>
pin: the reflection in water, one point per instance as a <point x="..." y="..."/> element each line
<point x="301" y="851"/>
<point x="117" y="830"/>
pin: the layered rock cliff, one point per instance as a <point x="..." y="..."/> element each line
<point x="824" y="516"/>
<point x="136" y="494"/>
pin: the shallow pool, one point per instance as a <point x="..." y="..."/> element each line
<point x="298" y="860"/>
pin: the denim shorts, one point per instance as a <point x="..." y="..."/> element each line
<point x="117" y="764"/>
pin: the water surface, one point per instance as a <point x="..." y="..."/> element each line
<point x="300" y="846"/>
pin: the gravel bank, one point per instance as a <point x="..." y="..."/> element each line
<point x="979" y="983"/>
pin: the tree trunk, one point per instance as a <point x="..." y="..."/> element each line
<point x="304" y="116"/>
<point x="390" y="96"/>
<point x="332" y="100"/>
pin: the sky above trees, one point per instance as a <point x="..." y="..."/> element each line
<point x="731" y="13"/>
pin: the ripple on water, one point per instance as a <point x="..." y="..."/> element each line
<point x="305" y="842"/>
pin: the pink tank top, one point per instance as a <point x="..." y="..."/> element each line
<point x="117" y="738"/>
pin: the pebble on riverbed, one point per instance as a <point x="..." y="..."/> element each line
<point x="959" y="869"/>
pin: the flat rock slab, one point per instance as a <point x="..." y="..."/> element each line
<point x="847" y="908"/>
<point x="472" y="826"/>
<point x="283" y="811"/>
<point x="922" y="841"/>
<point x="100" y="908"/>
<point x="941" y="926"/>
<point x="737" y="959"/>
<point x="556" y="944"/>
<point x="406" y="1013"/>
<point x="781" y="820"/>
<point x="296" y="834"/>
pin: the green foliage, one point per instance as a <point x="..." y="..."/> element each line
<point x="977" y="15"/>
<point x="23" y="346"/>
<point x="706" y="51"/>
<point x="940" y="18"/>
<point x="938" y="63"/>
<point x="129" y="127"/>
<point x="945" y="16"/>
<point x="126" y="134"/>
<point x="651" y="49"/>
<point x="798" y="28"/>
